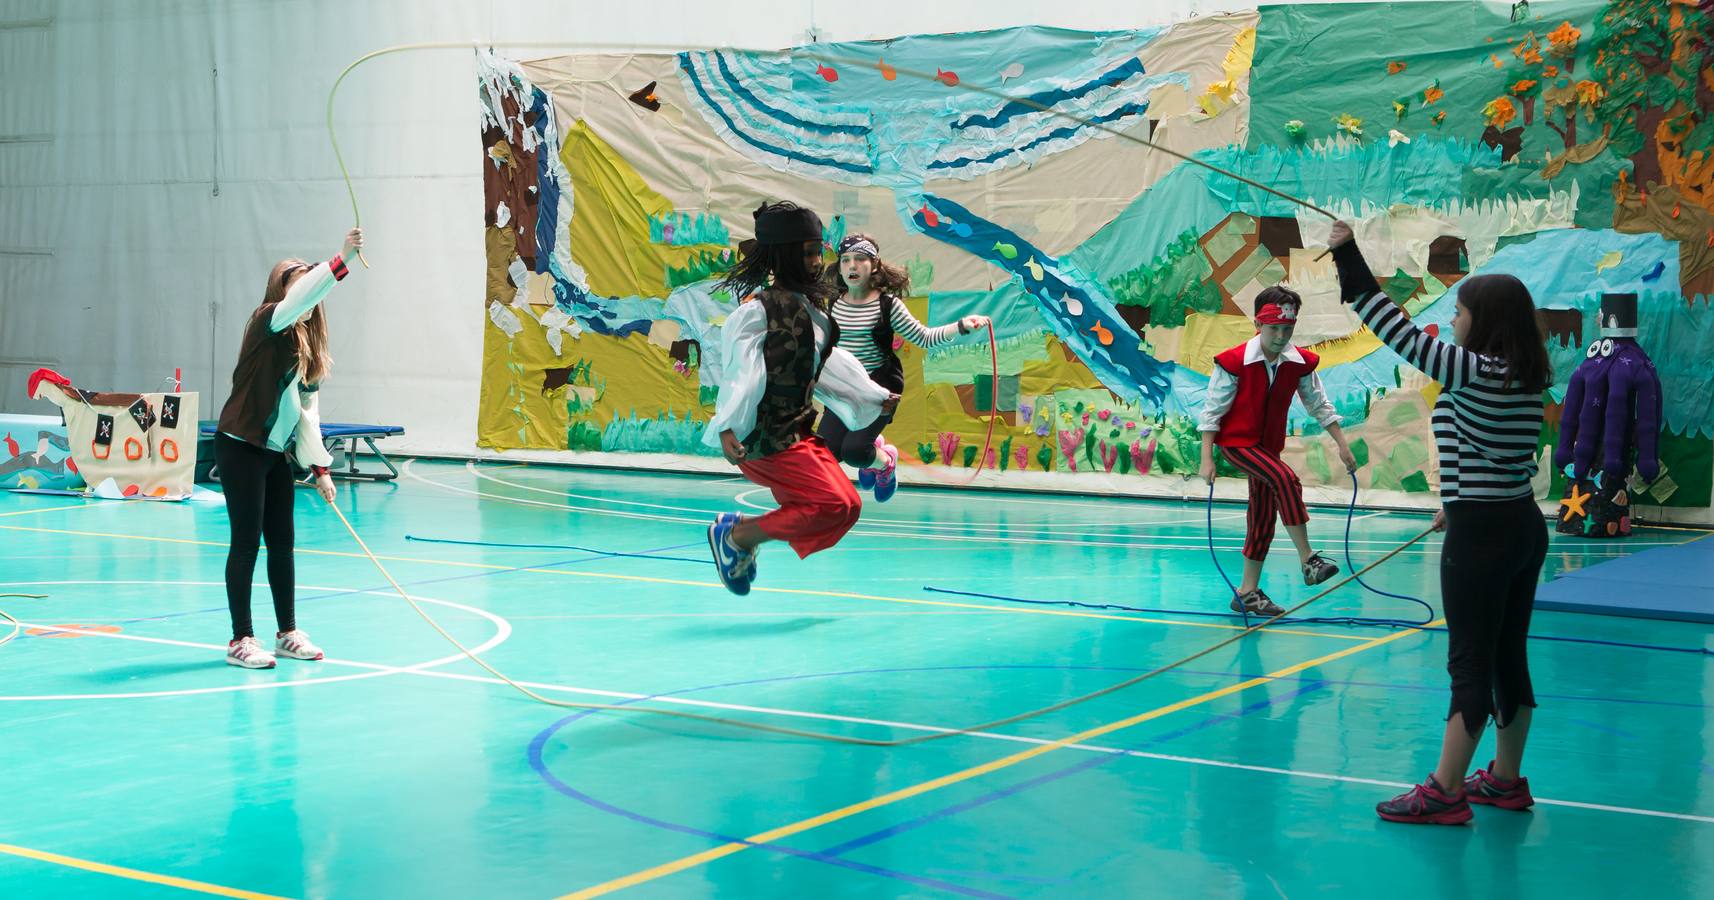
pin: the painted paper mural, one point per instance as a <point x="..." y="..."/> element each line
<point x="1570" y="144"/>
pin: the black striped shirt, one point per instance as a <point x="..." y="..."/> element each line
<point x="1485" y="430"/>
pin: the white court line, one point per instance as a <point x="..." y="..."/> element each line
<point x="1221" y="543"/>
<point x="742" y="499"/>
<point x="420" y="670"/>
<point x="503" y="630"/>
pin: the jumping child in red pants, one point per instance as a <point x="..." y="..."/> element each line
<point x="1249" y="395"/>
<point x="779" y="352"/>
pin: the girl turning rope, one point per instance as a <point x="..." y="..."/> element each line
<point x="1486" y="425"/>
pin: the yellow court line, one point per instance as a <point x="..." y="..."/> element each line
<point x="44" y="509"/>
<point x="611" y="576"/>
<point x="201" y="887"/>
<point x="707" y="856"/>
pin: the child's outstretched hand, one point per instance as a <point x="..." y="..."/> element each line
<point x="1348" y="458"/>
<point x="1341" y="234"/>
<point x="1208" y="470"/>
<point x="971" y="324"/>
<point x="890" y="404"/>
<point x="353" y="244"/>
<point x="731" y="447"/>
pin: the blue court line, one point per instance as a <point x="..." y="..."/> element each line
<point x="539" y="764"/>
<point x="947" y="812"/>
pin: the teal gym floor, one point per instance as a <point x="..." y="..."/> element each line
<point x="135" y="763"/>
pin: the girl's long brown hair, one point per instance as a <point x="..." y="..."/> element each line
<point x="1503" y="326"/>
<point x="311" y="333"/>
<point x="887" y="278"/>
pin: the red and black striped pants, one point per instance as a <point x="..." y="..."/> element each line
<point x="1275" y="492"/>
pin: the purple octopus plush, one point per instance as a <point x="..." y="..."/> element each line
<point x="1611" y="415"/>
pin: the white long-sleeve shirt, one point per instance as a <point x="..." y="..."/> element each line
<point x="844" y="386"/>
<point x="297" y="424"/>
<point x="1223" y="389"/>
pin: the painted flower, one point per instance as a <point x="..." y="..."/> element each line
<point x="1349" y="124"/>
<point x="1395" y="67"/>
<point x="1432" y="93"/>
<point x="1295" y="128"/>
<point x="1438" y="118"/>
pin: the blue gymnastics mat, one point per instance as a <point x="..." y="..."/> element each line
<point x="1674" y="583"/>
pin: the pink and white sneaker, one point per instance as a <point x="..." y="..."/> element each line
<point x="246" y="652"/>
<point x="295" y="644"/>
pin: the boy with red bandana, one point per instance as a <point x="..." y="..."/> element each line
<point x="1249" y="397"/>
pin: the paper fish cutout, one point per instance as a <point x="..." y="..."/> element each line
<point x="1006" y="250"/>
<point x="1609" y="261"/>
<point x="11" y="445"/>
<point x="1102" y="334"/>
<point x="1012" y="71"/>
<point x="950" y="79"/>
<point x="645" y="97"/>
<point x="1655" y="273"/>
<point x="1034" y="267"/>
<point x="827" y="72"/>
<point x="1073" y="305"/>
<point x="888" y="73"/>
<point x="959" y="228"/>
<point x="929" y="218"/>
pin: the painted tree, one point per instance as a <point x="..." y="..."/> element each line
<point x="1654" y="60"/>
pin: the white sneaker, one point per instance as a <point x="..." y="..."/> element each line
<point x="295" y="644"/>
<point x="248" y="653"/>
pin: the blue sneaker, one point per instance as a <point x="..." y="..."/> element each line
<point x="887" y="477"/>
<point x="736" y="567"/>
<point x="865" y="479"/>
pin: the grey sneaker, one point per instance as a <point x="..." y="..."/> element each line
<point x="1256" y="603"/>
<point x="1318" y="568"/>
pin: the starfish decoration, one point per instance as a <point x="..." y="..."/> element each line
<point x="1573" y="503"/>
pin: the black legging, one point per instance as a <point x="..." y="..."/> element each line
<point x="854" y="448"/>
<point x="1489" y="566"/>
<point x="258" y="485"/>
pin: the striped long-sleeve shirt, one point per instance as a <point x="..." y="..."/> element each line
<point x="857" y="325"/>
<point x="1486" y="431"/>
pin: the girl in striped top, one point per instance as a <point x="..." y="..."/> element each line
<point x="870" y="310"/>
<point x="1486" y="426"/>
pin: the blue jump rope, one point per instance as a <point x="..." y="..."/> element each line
<point x="1363" y="621"/>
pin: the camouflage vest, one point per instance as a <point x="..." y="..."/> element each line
<point x="786" y="413"/>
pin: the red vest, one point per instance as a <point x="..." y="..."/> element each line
<point x="1258" y="413"/>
